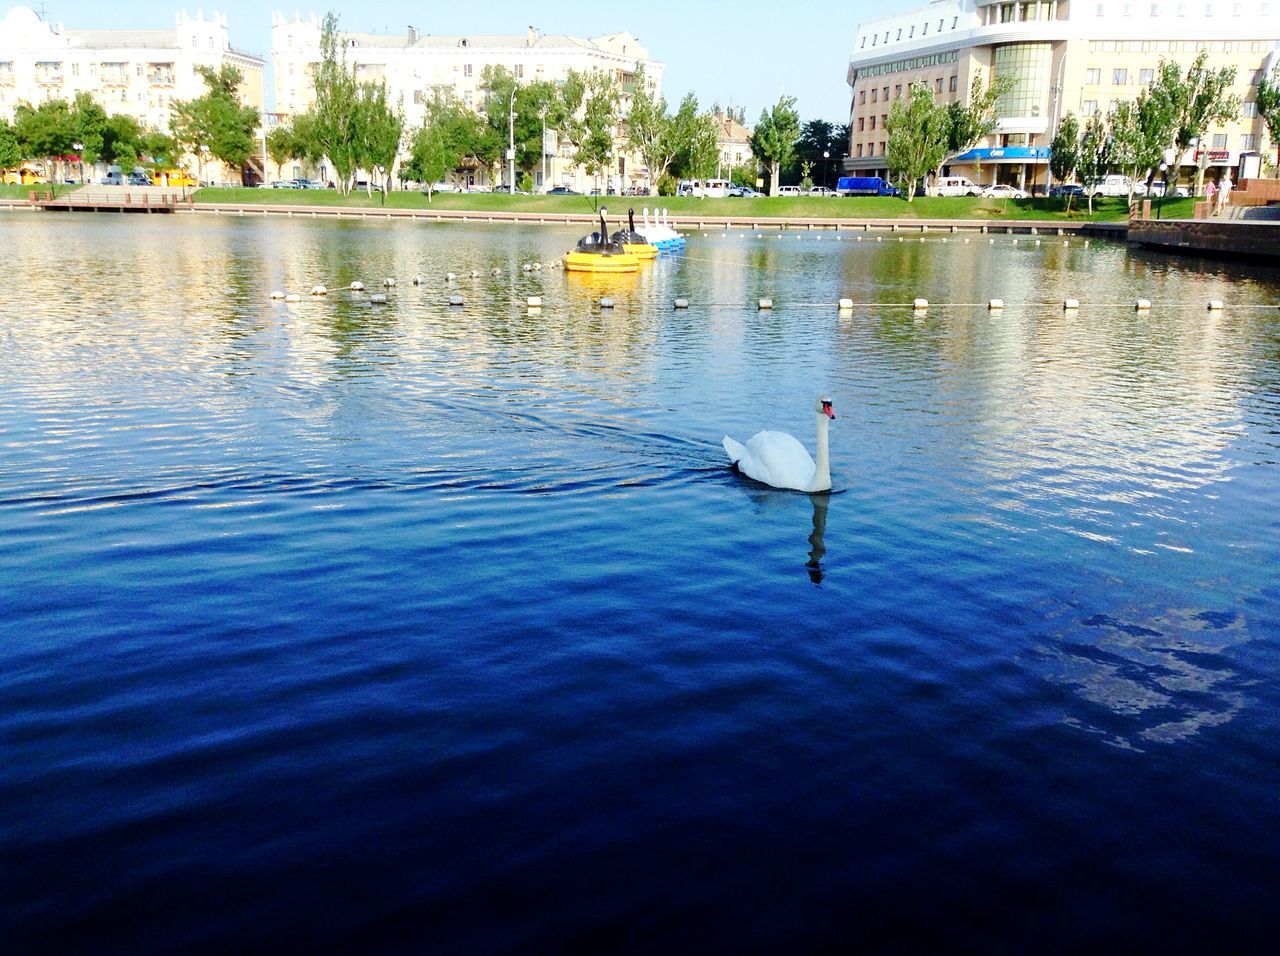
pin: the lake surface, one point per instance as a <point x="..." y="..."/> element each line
<point x="418" y="629"/>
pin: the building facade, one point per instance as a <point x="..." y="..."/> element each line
<point x="734" y="142"/>
<point x="138" y="72"/>
<point x="1066" y="56"/>
<point x="417" y="67"/>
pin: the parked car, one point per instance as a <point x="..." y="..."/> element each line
<point x="1160" y="188"/>
<point x="956" y="186"/>
<point x="1113" y="185"/>
<point x="1004" y="191"/>
<point x="562" y="191"/>
<point x="789" y="191"/>
<point x="744" y="192"/>
<point x="1067" y="189"/>
<point x="636" y="191"/>
<point x="138" y="179"/>
<point x="821" y="191"/>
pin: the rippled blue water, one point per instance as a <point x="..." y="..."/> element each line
<point x="447" y="630"/>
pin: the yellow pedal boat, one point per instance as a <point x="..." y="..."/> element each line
<point x="633" y="242"/>
<point x="599" y="253"/>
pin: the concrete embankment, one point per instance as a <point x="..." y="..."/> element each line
<point x="1046" y="227"/>
<point x="1232" y="238"/>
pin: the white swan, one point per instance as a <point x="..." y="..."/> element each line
<point x="777" y="459"/>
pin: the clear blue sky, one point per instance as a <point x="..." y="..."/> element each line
<point x="745" y="52"/>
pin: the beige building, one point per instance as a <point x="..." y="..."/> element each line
<point x="138" y="72"/>
<point x="734" y="141"/>
<point x="1066" y="56"/>
<point x="418" y="66"/>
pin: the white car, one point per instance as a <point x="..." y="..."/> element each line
<point x="955" y="186"/>
<point x="789" y="191"/>
<point x="1003" y="191"/>
<point x="1112" y="185"/>
<point x="821" y="191"/>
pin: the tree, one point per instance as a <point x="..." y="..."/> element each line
<point x="331" y="122"/>
<point x="1193" y="103"/>
<point x="684" y="130"/>
<point x="282" y="146"/>
<point x="1064" y="151"/>
<point x="1095" y="151"/>
<point x="218" y="121"/>
<point x="774" y="139"/>
<point x="1268" y="100"/>
<point x="595" y="145"/>
<point x="10" y="151"/>
<point x="122" y="140"/>
<point x="89" y="124"/>
<point x="46" y="132"/>
<point x="650" y="130"/>
<point x="1139" y="136"/>
<point x="704" y="148"/>
<point x="379" y="128"/>
<point x="970" y="123"/>
<point x="918" y="137"/>
<point x="430" y="156"/>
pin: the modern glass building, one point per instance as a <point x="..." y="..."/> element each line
<point x="1065" y="56"/>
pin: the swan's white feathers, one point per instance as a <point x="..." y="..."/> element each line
<point x="774" y="458"/>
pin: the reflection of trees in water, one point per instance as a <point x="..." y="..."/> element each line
<point x="1162" y="678"/>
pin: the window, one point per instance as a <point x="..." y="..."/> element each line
<point x="881" y="147"/>
<point x="1237" y="9"/>
<point x="875" y="96"/>
<point x="1089" y="107"/>
<point x="1101" y="11"/>
<point x="1093" y="76"/>
<point x="873" y="122"/>
<point x="466" y="69"/>
<point x="875" y="40"/>
<point x="924" y="31"/>
<point x="862" y="98"/>
<point x="1155" y="9"/>
<point x="937" y="85"/>
<point x="897" y="90"/>
<point x="1146" y="76"/>
<point x="859" y="149"/>
<point x="912" y="33"/>
<point x="884" y="120"/>
<point x="863" y="44"/>
<point x="860" y="123"/>
<point x="1248" y="141"/>
<point x="952" y="84"/>
<point x="898" y="35"/>
<point x="1208" y="9"/>
<point x="954" y="21"/>
<point x="1249" y="109"/>
<point x="1219" y="140"/>
<point x="519" y="71"/>
<point x="1119" y="76"/>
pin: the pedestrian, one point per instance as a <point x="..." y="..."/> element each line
<point x="1209" y="190"/>
<point x="1224" y="192"/>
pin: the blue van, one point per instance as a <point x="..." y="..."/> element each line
<point x="865" y="186"/>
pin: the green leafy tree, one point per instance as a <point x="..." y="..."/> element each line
<point x="970" y="123"/>
<point x="89" y="124"/>
<point x="1064" y="151"/>
<point x="773" y="141"/>
<point x="122" y="140"/>
<point x="816" y="138"/>
<point x="332" y="121"/>
<point x="535" y="102"/>
<point x="161" y="148"/>
<point x="380" y="127"/>
<point x="46" y="132"/>
<point x="650" y="130"/>
<point x="10" y="152"/>
<point x="599" y="110"/>
<point x="1268" y="100"/>
<point x="685" y="125"/>
<point x="282" y="145"/>
<point x="704" y="148"/>
<point x="430" y="156"/>
<point x="217" y="121"/>
<point x="1095" y="152"/>
<point x="1138" y="138"/>
<point x="919" y="133"/>
<point x="1193" y="103"/>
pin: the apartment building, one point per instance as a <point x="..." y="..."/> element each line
<point x="417" y="66"/>
<point x="1065" y="56"/>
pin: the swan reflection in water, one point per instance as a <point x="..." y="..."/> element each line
<point x="817" y="549"/>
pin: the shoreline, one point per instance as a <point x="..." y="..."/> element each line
<point x="1105" y="229"/>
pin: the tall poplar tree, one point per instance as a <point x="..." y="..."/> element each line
<point x="774" y="139"/>
<point x="919" y="134"/>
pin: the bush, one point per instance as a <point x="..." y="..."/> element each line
<point x="667" y="185"/>
<point x="526" y="183"/>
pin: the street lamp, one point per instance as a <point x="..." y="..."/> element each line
<point x="79" y="148"/>
<point x="1164" y="179"/>
<point x="511" y="144"/>
<point x="544" y="147"/>
<point x="826" y="155"/>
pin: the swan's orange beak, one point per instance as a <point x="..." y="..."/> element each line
<point x="831" y="412"/>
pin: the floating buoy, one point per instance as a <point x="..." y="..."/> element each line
<point x="475" y="273"/>
<point x="682" y="303"/>
<point x="388" y="283"/>
<point x="606" y="303"/>
<point x="417" y="280"/>
<point x="537" y="267"/>
<point x="920" y="304"/>
<point x="449" y="277"/>
<point x="966" y="240"/>
<point x="1142" y="305"/>
<point x="1070" y="305"/>
<point x="456" y="300"/>
<point x="995" y="304"/>
<point x="1037" y="242"/>
<point x="293" y="298"/>
<point x="845" y="305"/>
<point x="319" y="290"/>
<point x="277" y="294"/>
<point x="1215" y="305"/>
<point x="526" y="267"/>
<point x="378" y="298"/>
<point x="534" y="302"/>
<point x="357" y="286"/>
<point x="496" y="272"/>
<point x="991" y="242"/>
<point x="766" y="304"/>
